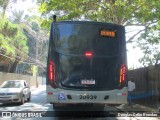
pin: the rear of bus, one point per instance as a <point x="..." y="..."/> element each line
<point x="86" y="63"/>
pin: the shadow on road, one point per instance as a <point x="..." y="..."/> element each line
<point x="78" y="112"/>
<point x="10" y="104"/>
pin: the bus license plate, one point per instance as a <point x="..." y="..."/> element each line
<point x="88" y="97"/>
<point x="88" y="82"/>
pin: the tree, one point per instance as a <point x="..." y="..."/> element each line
<point x="15" y="38"/>
<point x="17" y="16"/>
<point x="123" y="12"/>
<point x="37" y="43"/>
<point x="3" y="5"/>
<point x="13" y="43"/>
<point x="149" y="42"/>
<point x="39" y="34"/>
<point x="7" y="32"/>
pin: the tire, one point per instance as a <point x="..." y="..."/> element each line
<point x="22" y="100"/>
<point x="102" y="107"/>
<point x="55" y="106"/>
<point x="99" y="107"/>
<point x="58" y="106"/>
<point x="29" y="99"/>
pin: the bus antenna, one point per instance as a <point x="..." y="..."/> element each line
<point x="54" y="18"/>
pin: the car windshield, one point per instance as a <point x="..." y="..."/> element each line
<point x="12" y="84"/>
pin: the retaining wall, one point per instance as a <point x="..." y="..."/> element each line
<point x="32" y="80"/>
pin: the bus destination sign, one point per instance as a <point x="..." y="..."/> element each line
<point x="107" y="33"/>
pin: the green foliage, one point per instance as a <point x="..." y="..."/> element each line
<point x="17" y="16"/>
<point x="34" y="70"/>
<point x="7" y="32"/>
<point x="35" y="26"/>
<point x="123" y="12"/>
<point x="7" y="28"/>
<point x="15" y="41"/>
<point x="20" y="42"/>
<point x="3" y="5"/>
<point x="12" y="41"/>
<point x="149" y="43"/>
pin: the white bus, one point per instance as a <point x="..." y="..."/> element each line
<point x="86" y="63"/>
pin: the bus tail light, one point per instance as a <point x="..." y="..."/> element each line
<point x="88" y="54"/>
<point x="51" y="70"/>
<point x="122" y="73"/>
<point x="50" y="93"/>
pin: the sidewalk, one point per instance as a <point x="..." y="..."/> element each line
<point x="32" y="88"/>
<point x="137" y="108"/>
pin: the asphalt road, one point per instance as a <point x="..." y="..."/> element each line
<point x="38" y="107"/>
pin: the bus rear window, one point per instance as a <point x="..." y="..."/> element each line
<point x="77" y="39"/>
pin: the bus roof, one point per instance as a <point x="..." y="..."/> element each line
<point x="89" y="22"/>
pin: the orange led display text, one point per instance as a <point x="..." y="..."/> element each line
<point x="107" y="33"/>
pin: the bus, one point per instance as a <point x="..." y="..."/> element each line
<point x="86" y="64"/>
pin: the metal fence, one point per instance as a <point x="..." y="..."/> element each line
<point x="147" y="81"/>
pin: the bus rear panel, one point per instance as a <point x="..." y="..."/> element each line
<point x="86" y="63"/>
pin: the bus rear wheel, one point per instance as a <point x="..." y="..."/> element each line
<point x="57" y="106"/>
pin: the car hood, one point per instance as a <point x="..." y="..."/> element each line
<point x="10" y="90"/>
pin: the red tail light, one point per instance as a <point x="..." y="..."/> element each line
<point x="88" y="54"/>
<point x="122" y="73"/>
<point x="51" y="71"/>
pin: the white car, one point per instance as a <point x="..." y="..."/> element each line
<point x="15" y="91"/>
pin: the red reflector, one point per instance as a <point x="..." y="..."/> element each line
<point x="124" y="94"/>
<point x="88" y="54"/>
<point x="50" y="93"/>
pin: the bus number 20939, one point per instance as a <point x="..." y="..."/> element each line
<point x="89" y="97"/>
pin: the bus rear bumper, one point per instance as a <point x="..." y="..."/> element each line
<point x="97" y="97"/>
